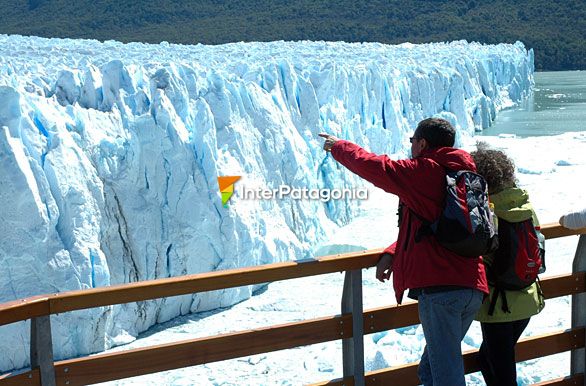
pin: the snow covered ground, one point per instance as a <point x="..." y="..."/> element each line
<point x="547" y="168"/>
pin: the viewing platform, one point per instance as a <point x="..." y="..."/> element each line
<point x="350" y="326"/>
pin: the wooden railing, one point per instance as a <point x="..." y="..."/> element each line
<point x="350" y="326"/>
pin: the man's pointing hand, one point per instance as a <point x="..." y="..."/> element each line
<point x="330" y="140"/>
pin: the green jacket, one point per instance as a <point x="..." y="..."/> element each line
<point x="512" y="205"/>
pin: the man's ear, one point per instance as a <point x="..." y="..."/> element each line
<point x="423" y="144"/>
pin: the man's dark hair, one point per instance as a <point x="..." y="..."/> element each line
<point x="437" y="132"/>
<point x="497" y="169"/>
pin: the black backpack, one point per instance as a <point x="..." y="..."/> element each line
<point x="517" y="261"/>
<point x="466" y="225"/>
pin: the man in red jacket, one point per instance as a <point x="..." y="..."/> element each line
<point x="448" y="287"/>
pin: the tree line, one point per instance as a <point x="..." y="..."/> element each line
<point x="555" y="29"/>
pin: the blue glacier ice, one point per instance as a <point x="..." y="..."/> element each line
<point x="110" y="153"/>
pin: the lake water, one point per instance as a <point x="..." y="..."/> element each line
<point x="557" y="105"/>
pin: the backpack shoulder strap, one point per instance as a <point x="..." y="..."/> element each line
<point x="505" y="304"/>
<point x="426" y="228"/>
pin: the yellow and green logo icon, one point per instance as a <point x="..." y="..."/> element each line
<point x="227" y="188"/>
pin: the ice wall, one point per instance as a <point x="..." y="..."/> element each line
<point x="109" y="155"/>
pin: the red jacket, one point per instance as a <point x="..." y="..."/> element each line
<point x="420" y="185"/>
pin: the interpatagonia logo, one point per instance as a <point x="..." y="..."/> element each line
<point x="282" y="192"/>
<point x="227" y="188"/>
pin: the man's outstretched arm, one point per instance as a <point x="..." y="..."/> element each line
<point x="380" y="170"/>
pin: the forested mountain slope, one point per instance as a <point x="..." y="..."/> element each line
<point x="555" y="29"/>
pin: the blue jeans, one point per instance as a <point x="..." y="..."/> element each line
<point x="445" y="318"/>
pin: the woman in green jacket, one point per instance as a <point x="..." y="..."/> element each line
<point x="503" y="324"/>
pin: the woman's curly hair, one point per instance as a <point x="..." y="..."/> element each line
<point x="495" y="167"/>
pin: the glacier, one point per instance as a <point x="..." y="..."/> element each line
<point x="110" y="153"/>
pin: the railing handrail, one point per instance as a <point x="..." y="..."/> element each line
<point x="139" y="361"/>
<point x="49" y="304"/>
<point x="153" y="289"/>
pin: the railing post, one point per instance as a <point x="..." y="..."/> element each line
<point x="42" y="349"/>
<point x="578" y="361"/>
<point x="353" y="348"/>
